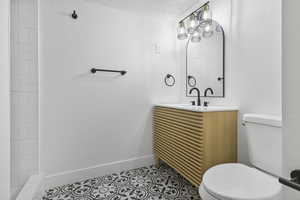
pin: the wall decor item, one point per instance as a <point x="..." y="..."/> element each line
<point x="205" y="51"/>
<point x="170" y="80"/>
<point x="205" y="62"/>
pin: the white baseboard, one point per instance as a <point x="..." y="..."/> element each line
<point x="32" y="189"/>
<point x="95" y="171"/>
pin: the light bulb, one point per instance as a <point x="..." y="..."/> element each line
<point x="207" y="28"/>
<point x="196" y="37"/>
<point x="208" y="32"/>
<point x="206" y="16"/>
<point x="192" y="24"/>
<point x="181" y="33"/>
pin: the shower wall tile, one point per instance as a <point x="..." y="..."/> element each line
<point x="26" y="149"/>
<point x="25" y="73"/>
<point x="27" y="35"/>
<point x="24" y="93"/>
<point x="27" y="10"/>
<point x="24" y="60"/>
<point x="25" y="116"/>
<point x="24" y="160"/>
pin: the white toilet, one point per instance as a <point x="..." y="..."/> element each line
<point x="241" y="182"/>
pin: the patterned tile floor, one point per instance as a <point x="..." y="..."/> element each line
<point x="147" y="183"/>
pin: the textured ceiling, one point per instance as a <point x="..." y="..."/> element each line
<point x="174" y="7"/>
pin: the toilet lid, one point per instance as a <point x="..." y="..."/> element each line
<point x="240" y="182"/>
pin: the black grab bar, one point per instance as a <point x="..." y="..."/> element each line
<point x="294" y="182"/>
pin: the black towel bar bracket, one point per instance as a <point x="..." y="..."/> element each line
<point x="94" y="70"/>
<point x="74" y="15"/>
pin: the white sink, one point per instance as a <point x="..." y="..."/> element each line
<point x="200" y="108"/>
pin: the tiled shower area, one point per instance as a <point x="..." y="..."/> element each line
<point x="24" y="92"/>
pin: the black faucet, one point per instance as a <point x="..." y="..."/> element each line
<point x="198" y="95"/>
<point x="208" y="89"/>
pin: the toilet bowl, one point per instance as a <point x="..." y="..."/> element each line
<point x="240" y="182"/>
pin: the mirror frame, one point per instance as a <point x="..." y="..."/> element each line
<point x="224" y="60"/>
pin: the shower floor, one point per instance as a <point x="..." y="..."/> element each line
<point x="147" y="183"/>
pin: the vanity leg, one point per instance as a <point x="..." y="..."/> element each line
<point x="157" y="162"/>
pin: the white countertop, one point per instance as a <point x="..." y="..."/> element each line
<point x="200" y="108"/>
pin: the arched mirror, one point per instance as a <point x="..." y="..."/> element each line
<point x="205" y="61"/>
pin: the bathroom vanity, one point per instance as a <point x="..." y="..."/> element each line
<point x="192" y="139"/>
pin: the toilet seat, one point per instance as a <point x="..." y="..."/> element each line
<point x="239" y="182"/>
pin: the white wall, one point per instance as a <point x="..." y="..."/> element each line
<point x="5" y="100"/>
<point x="256" y="57"/>
<point x="24" y="93"/>
<point x="291" y="95"/>
<point x="86" y="119"/>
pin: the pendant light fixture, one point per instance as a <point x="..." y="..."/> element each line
<point x="198" y="23"/>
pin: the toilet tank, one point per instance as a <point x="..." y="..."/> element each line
<point x="264" y="139"/>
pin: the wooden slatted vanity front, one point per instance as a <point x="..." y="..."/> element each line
<point x="191" y="142"/>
